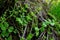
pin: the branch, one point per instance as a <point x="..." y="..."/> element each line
<point x="24" y="31"/>
<point x="41" y="35"/>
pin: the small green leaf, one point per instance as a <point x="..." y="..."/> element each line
<point x="10" y="29"/>
<point x="44" y="24"/>
<point x="21" y="38"/>
<point x="6" y="24"/>
<point x="15" y="31"/>
<point x="10" y="38"/>
<point x="33" y="14"/>
<point x="37" y="33"/>
<point x="26" y="5"/>
<point x="28" y="17"/>
<point x="19" y="20"/>
<point x="3" y="27"/>
<point x="52" y="23"/>
<point x="3" y="33"/>
<point x="25" y="23"/>
<point x="36" y="29"/>
<point x="29" y="36"/>
<point x="42" y="29"/>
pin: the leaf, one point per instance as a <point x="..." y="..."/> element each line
<point x="25" y="23"/>
<point x="26" y="5"/>
<point x="37" y="31"/>
<point x="52" y="23"/>
<point x="3" y="18"/>
<point x="29" y="36"/>
<point x="3" y="33"/>
<point x="28" y="18"/>
<point x="23" y="10"/>
<point x="33" y="14"/>
<point x="3" y="27"/>
<point x="47" y="22"/>
<point x="10" y="29"/>
<point x="39" y="8"/>
<point x="19" y="20"/>
<point x="6" y="24"/>
<point x="21" y="38"/>
<point x="9" y="38"/>
<point x="42" y="29"/>
<point x="15" y="31"/>
<point x="44" y="24"/>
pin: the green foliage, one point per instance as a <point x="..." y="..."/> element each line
<point x="29" y="36"/>
<point x="55" y="10"/>
<point x="37" y="31"/>
<point x="4" y="27"/>
<point x="10" y="29"/>
<point x="9" y="38"/>
<point x="13" y="22"/>
<point x="21" y="38"/>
